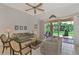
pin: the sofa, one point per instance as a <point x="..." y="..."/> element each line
<point x="51" y="47"/>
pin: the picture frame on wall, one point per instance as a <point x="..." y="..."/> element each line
<point x="16" y="27"/>
<point x="21" y="27"/>
<point x="25" y="27"/>
<point x="35" y="26"/>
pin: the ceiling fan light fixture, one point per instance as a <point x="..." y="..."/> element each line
<point x="35" y="8"/>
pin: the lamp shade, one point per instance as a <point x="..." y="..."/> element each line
<point x="8" y="29"/>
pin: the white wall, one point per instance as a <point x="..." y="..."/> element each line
<point x="76" y="28"/>
<point x="11" y="17"/>
<point x="41" y="29"/>
<point x="76" y="37"/>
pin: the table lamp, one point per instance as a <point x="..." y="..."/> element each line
<point x="8" y="30"/>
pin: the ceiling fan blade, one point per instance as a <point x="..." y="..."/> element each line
<point x="40" y="9"/>
<point x="34" y="11"/>
<point x="29" y="9"/>
<point x="29" y="4"/>
<point x="38" y="5"/>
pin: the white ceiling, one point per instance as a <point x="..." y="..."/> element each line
<point x="58" y="9"/>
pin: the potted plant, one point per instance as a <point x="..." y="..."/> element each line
<point x="66" y="33"/>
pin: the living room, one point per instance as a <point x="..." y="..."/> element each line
<point x="17" y="21"/>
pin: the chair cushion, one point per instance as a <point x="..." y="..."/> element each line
<point x="15" y="45"/>
<point x="26" y="50"/>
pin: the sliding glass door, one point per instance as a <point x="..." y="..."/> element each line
<point x="64" y="28"/>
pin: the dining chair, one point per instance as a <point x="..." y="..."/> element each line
<point x="18" y="49"/>
<point x="5" y="42"/>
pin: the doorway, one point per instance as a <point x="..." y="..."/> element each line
<point x="65" y="30"/>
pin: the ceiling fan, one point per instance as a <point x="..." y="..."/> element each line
<point x="35" y="8"/>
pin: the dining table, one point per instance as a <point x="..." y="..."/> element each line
<point x="21" y="41"/>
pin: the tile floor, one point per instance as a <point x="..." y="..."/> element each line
<point x="68" y="46"/>
<point x="68" y="49"/>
